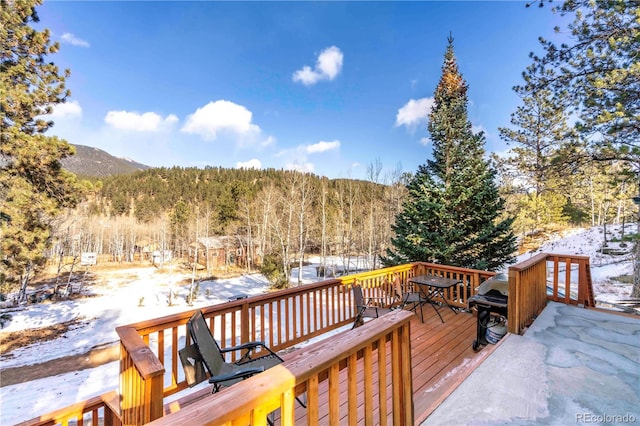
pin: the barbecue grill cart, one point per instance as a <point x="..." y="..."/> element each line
<point x="491" y="304"/>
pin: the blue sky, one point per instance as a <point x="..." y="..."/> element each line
<point x="325" y="87"/>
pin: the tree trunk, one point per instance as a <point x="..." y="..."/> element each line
<point x="22" y="294"/>
<point x="635" y="292"/>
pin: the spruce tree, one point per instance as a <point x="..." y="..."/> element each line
<point x="453" y="211"/>
<point x="33" y="185"/>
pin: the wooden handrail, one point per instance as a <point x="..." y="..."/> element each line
<point x="141" y="379"/>
<point x="102" y="407"/>
<point x="253" y="399"/>
<point x="544" y="277"/>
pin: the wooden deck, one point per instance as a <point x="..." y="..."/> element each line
<point x="442" y="358"/>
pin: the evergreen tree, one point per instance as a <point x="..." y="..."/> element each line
<point x="33" y="185"/>
<point x="452" y="214"/>
<point x="599" y="72"/>
<point x="545" y="149"/>
<point x="546" y="153"/>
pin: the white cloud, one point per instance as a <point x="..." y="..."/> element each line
<point x="219" y="116"/>
<point x="73" y="40"/>
<point x="323" y="146"/>
<point x="146" y="122"/>
<point x="300" y="167"/>
<point x="254" y="163"/>
<point x="414" y="112"/>
<point x="328" y="66"/>
<point x="270" y="140"/>
<point x="297" y="158"/>
<point x="425" y="141"/>
<point x="66" y="110"/>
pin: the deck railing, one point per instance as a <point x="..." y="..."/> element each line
<point x="103" y="409"/>
<point x="150" y="370"/>
<point x="313" y="375"/>
<point x="561" y="278"/>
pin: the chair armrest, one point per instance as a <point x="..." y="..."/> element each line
<point x="375" y="299"/>
<point x="249" y="347"/>
<point x="241" y="374"/>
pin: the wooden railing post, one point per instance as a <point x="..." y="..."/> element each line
<point x="141" y="380"/>
<point x="244" y="323"/>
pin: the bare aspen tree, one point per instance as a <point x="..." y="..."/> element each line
<point x="133" y="238"/>
<point x="395" y="193"/>
<point x="194" y="269"/>
<point x="247" y="244"/>
<point x="305" y="194"/>
<point x="323" y="236"/>
<point x="373" y="174"/>
<point x="347" y="198"/>
<point x="117" y="242"/>
<point x="281" y="227"/>
<point x="283" y="223"/>
<point x="266" y="202"/>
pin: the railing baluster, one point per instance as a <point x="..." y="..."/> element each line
<point x="382" y="382"/>
<point x="352" y="389"/>
<point x="174" y="355"/>
<point x="368" y="385"/>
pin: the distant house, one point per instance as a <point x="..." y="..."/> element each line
<point x="143" y="249"/>
<point x="220" y="251"/>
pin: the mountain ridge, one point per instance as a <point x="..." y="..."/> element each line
<point x="94" y="162"/>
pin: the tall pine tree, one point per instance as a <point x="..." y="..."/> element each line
<point x="453" y="211"/>
<point x="33" y="185"/>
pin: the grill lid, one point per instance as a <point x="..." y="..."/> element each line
<point x="499" y="283"/>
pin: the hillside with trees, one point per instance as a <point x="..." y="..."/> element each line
<point x="279" y="214"/>
<point x="92" y="162"/>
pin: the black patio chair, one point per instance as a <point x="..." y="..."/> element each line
<point x="411" y="299"/>
<point x="205" y="351"/>
<point x="371" y="308"/>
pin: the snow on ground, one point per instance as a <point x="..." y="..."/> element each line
<point x="132" y="295"/>
<point x="123" y="297"/>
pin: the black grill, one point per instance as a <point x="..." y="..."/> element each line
<point x="491" y="300"/>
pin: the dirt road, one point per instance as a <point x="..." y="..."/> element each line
<point x="94" y="358"/>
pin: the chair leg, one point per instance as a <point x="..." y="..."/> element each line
<point x="358" y="318"/>
<point x="303" y="404"/>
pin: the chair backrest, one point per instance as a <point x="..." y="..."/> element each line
<point x="358" y="298"/>
<point x="397" y="287"/>
<point x="207" y="345"/>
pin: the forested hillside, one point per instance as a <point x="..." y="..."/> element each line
<point x="283" y="213"/>
<point x="290" y="212"/>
